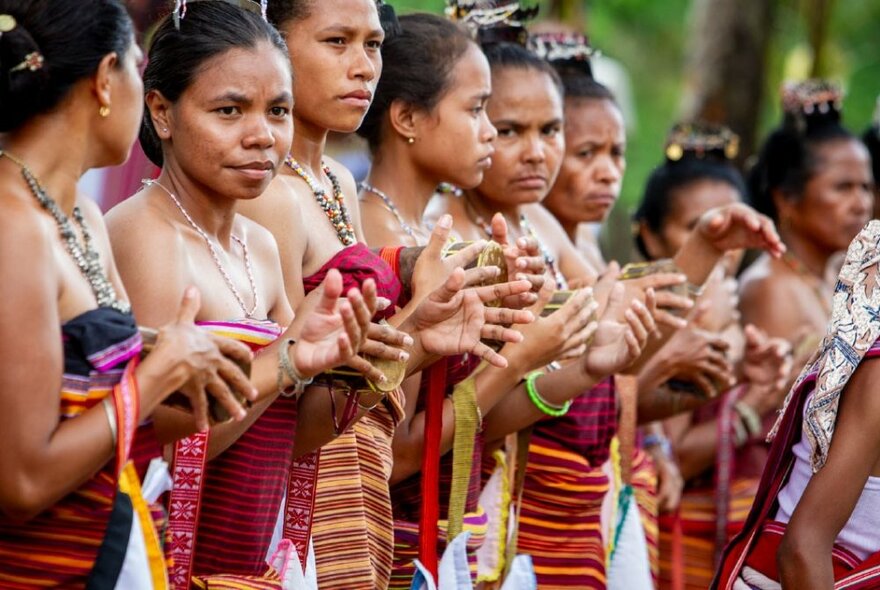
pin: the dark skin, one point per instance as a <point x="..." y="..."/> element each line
<point x="804" y="557"/>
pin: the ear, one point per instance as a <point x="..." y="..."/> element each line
<point x="102" y="79"/>
<point x="406" y="120"/>
<point x="159" y="108"/>
<point x="785" y="206"/>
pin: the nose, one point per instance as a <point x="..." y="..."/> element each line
<point x="488" y="132"/>
<point x="362" y="65"/>
<point x="534" y="149"/>
<point x="606" y="171"/>
<point x="259" y="133"/>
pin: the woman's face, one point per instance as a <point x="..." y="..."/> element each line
<point x="453" y="143"/>
<point x="837" y="200"/>
<point x="526" y="109"/>
<point x="687" y="205"/>
<point x="591" y="175"/>
<point x="127" y="106"/>
<point x="336" y="55"/>
<point x="232" y="128"/>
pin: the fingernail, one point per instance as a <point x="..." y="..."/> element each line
<point x="520" y="263"/>
<point x="403" y="357"/>
<point x="383" y="379"/>
<point x="445" y="221"/>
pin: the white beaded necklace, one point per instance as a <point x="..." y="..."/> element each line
<point x="216" y="257"/>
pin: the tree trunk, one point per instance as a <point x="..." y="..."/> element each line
<point x="727" y="63"/>
<point x="570" y="12"/>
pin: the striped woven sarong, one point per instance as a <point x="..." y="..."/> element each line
<point x="561" y="517"/>
<point x="644" y="484"/>
<point x="84" y="536"/>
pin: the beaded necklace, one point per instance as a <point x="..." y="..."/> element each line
<point x="334" y="208"/>
<point x="85" y="256"/>
<point x="549" y="260"/>
<point x="216" y="257"/>
<point x="407" y="228"/>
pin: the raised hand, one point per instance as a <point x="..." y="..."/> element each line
<point x="697" y="356"/>
<point x="766" y="367"/>
<point x="432" y="269"/>
<point x="454" y="318"/>
<point x="616" y="344"/>
<point x="738" y="226"/>
<point x="197" y="363"/>
<point x="524" y="262"/>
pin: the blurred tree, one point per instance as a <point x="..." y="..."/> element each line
<point x="726" y="70"/>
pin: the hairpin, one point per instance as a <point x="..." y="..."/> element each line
<point x="179" y="11"/>
<point x="811" y="96"/>
<point x="33" y="61"/>
<point x="701" y="140"/>
<point x="493" y="21"/>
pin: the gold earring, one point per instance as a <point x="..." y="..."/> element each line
<point x="104" y="111"/>
<point x="410" y="140"/>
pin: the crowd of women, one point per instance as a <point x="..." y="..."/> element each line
<point x="255" y="373"/>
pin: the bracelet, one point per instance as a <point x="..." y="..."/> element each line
<point x="749" y="417"/>
<point x="542" y="404"/>
<point x="107" y="402"/>
<point x="286" y="367"/>
<point x="658" y="440"/>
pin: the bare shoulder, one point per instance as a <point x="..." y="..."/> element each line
<point x="143" y="235"/>
<point x="258" y="238"/>
<point x="24" y="228"/>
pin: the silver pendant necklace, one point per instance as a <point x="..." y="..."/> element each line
<point x="215" y="256"/>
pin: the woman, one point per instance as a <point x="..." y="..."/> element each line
<point x="335" y="46"/>
<point x="439" y="112"/>
<point x="219" y="140"/>
<point x="814" y="521"/>
<point x="564" y="482"/>
<point x="871" y="139"/>
<point x="69" y="494"/>
<point x="813" y="178"/>
<point x="719" y="447"/>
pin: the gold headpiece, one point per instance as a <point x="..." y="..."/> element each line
<point x="701" y="140"/>
<point x="493" y="20"/>
<point x="811" y="96"/>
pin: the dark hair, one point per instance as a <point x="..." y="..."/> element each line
<point x="670" y="177"/>
<point x="513" y="55"/>
<point x="871" y="139"/>
<point x="73" y="36"/>
<point x="417" y="66"/>
<point x="281" y="12"/>
<point x="176" y="55"/>
<point x="788" y="159"/>
<point x="578" y="85"/>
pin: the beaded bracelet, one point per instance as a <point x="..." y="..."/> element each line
<point x="285" y="366"/>
<point x="652" y="439"/>
<point x="541" y="403"/>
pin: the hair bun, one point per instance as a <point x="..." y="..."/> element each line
<point x="701" y="141"/>
<point x="811" y="103"/>
<point x="23" y="73"/>
<point x="493" y="21"/>
<point x="565" y="50"/>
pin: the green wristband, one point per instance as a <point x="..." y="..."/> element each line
<point x="542" y="404"/>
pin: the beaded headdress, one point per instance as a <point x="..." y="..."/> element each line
<point x="179" y="10"/>
<point x="493" y="21"/>
<point x="810" y="98"/>
<point x="702" y="141"/>
<point x="564" y="48"/>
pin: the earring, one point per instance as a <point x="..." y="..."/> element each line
<point x="410" y="140"/>
<point x="104" y="111"/>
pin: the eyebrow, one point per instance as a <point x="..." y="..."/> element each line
<point x="283" y="97"/>
<point x="350" y="31"/>
<point x="232" y="96"/>
<point x="482" y="96"/>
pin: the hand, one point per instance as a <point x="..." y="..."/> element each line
<point x="720" y="299"/>
<point x="616" y="345"/>
<point x="431" y="269"/>
<point x="667" y="303"/>
<point x="524" y="262"/>
<point x="766" y="368"/>
<point x="454" y="318"/>
<point x="738" y="226"/>
<point x="699" y="357"/>
<point x="334" y="331"/>
<point x="562" y="335"/>
<point x="199" y="364"/>
<point x="670" y="483"/>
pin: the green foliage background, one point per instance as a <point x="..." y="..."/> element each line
<point x="650" y="38"/>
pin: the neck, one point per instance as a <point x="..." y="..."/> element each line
<point x="51" y="146"/>
<point x="410" y="189"/>
<point x="213" y="213"/>
<point x="486" y="208"/>
<point x="810" y="253"/>
<point x="309" y="143"/>
<point x="571" y="229"/>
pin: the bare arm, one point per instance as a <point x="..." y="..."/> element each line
<point x="804" y="557"/>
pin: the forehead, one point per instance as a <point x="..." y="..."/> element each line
<point x="246" y="70"/>
<point x="344" y="13"/>
<point x="524" y="94"/>
<point x="695" y="198"/>
<point x="593" y="118"/>
<point x="471" y="74"/>
<point x="842" y="154"/>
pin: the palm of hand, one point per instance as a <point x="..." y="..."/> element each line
<point x="762" y="368"/>
<point x="450" y="327"/>
<point x="318" y="346"/>
<point x="608" y="353"/>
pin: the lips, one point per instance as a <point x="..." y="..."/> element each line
<point x="605" y="199"/>
<point x="358" y="98"/>
<point x="257" y="170"/>
<point x="530" y="181"/>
